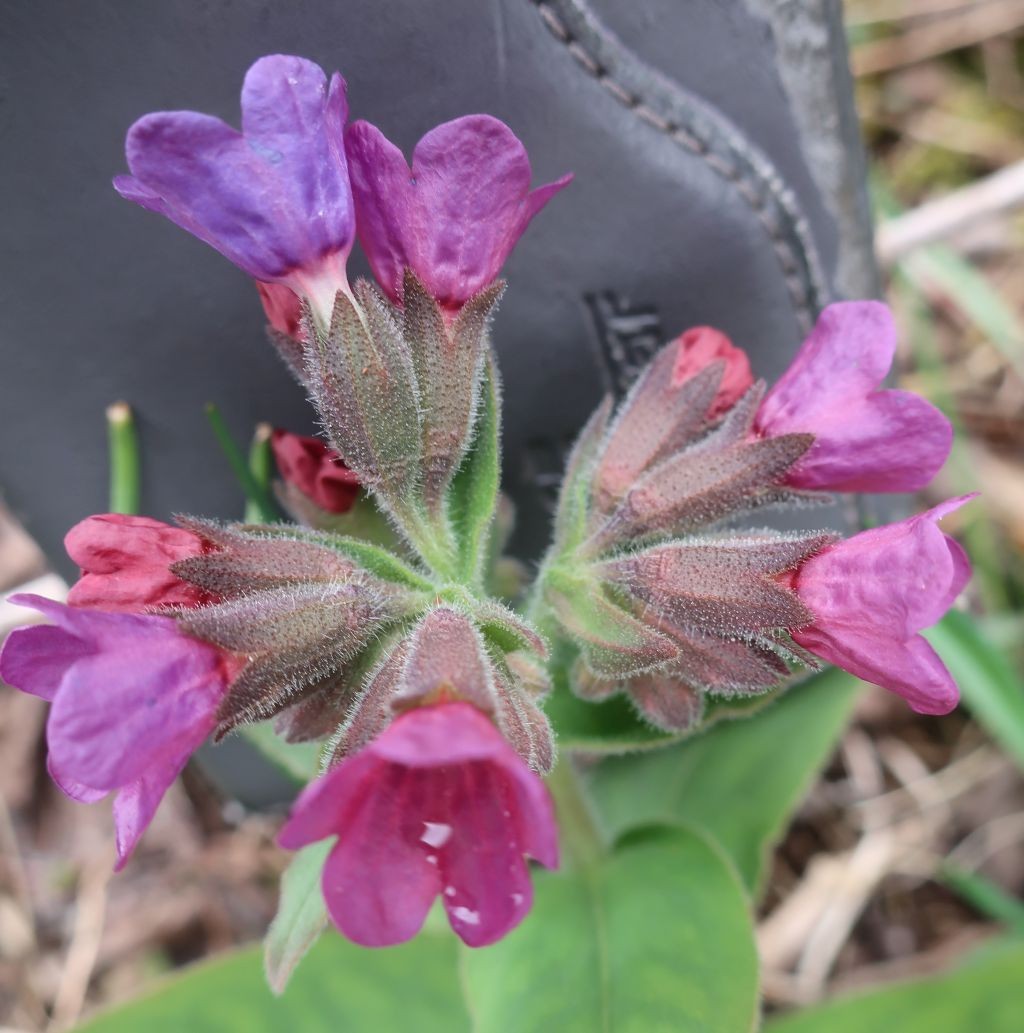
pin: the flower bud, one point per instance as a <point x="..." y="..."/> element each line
<point x="127" y="563"/>
<point x="315" y="471"/>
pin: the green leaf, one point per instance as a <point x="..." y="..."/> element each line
<point x="339" y="987"/>
<point x="986" y="995"/>
<point x="985" y="896"/>
<point x="261" y="466"/>
<point x="990" y="687"/>
<point x="301" y="915"/>
<point x="741" y="779"/>
<point x="473" y="497"/>
<point x="256" y="494"/>
<point x="657" y="936"/>
<point x="298" y="760"/>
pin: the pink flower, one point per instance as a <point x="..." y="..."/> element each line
<point x="455" y="217"/>
<point x="132" y="699"/>
<point x="126" y="560"/>
<point x="872" y="594"/>
<point x="865" y="439"/>
<point x="273" y="198"/>
<point x="438" y="804"/>
<point x="697" y="348"/>
<point x="316" y="470"/>
<point x="282" y="307"/>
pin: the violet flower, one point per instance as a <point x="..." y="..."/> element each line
<point x="872" y="594"/>
<point x="454" y="218"/>
<point x="865" y="439"/>
<point x="126" y="561"/>
<point x="132" y="699"/>
<point x="438" y="804"/>
<point x="315" y="470"/>
<point x="273" y="198"/>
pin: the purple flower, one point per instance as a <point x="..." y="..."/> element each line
<point x="438" y="804"/>
<point x="455" y="217"/>
<point x="274" y="198"/>
<point x="865" y="439"/>
<point x="132" y="699"/>
<point x="872" y="594"/>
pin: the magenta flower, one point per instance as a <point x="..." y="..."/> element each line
<point x="452" y="219"/>
<point x="865" y="439"/>
<point x="438" y="804"/>
<point x="131" y="697"/>
<point x="315" y="470"/>
<point x="126" y="560"/>
<point x="273" y="198"/>
<point x="872" y="594"/>
<point x="700" y="346"/>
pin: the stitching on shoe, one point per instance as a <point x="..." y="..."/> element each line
<point x="759" y="184"/>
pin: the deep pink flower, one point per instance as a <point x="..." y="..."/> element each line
<point x="872" y="594"/>
<point x="132" y="699"/>
<point x="697" y="348"/>
<point x="865" y="439"/>
<point x="316" y="470"/>
<point x="274" y="198"/>
<point x="282" y="307"/>
<point x="126" y="560"/>
<point x="452" y="219"/>
<point x="441" y="804"/>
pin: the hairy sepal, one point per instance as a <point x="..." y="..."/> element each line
<point x="613" y="642"/>
<point x="448" y="361"/>
<point x="361" y="377"/>
<point x="655" y="420"/>
<point x="727" y="585"/>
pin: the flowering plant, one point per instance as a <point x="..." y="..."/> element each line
<point x="438" y="696"/>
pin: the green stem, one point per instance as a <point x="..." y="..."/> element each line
<point x="123" y="445"/>
<point x="432" y="541"/>
<point x="261" y="466"/>
<point x="581" y="835"/>
<point x="254" y="492"/>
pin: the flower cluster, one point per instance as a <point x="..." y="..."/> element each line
<point x="425" y="691"/>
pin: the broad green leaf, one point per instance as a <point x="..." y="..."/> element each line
<point x="474" y="491"/>
<point x="656" y="937"/>
<point x="301" y="915"/>
<point x="990" y="687"/>
<point x="299" y="761"/>
<point x="985" y="996"/>
<point x="741" y="779"/>
<point x="340" y="988"/>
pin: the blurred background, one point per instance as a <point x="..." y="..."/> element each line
<point x="909" y="850"/>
